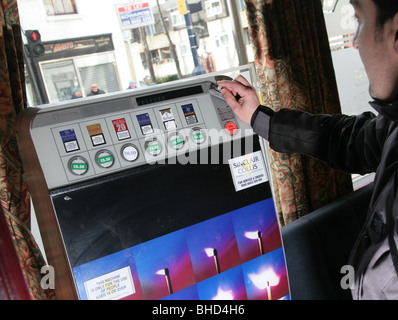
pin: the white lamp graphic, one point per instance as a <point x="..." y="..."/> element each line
<point x="223" y="295"/>
<point x="265" y="280"/>
<point x="256" y="235"/>
<point x="211" y="252"/>
<point x="166" y="274"/>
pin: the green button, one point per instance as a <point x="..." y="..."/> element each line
<point x="79" y="166"/>
<point x="153" y="148"/>
<point x="198" y="136"/>
<point x="176" y="142"/>
<point x="105" y="159"/>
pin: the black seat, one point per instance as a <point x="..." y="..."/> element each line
<point x="319" y="244"/>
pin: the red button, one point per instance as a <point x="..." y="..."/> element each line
<point x="231" y="128"/>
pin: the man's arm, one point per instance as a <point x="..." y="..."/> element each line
<point x="352" y="144"/>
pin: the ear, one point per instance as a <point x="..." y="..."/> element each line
<point x="395" y="30"/>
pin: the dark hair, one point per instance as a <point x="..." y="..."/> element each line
<point x="386" y="10"/>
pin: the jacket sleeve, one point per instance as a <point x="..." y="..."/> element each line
<point x="349" y="143"/>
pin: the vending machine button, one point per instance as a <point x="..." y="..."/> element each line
<point x="78" y="165"/>
<point x="153" y="147"/>
<point x="198" y="136"/>
<point x="130" y="152"/>
<point x="176" y="141"/>
<point x="231" y="128"/>
<point x="104" y="158"/>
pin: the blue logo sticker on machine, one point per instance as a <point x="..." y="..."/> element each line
<point x="145" y="123"/>
<point x="69" y="140"/>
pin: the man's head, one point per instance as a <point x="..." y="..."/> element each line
<point x="77" y="92"/>
<point x="376" y="39"/>
<point x="94" y="87"/>
<point x="386" y="9"/>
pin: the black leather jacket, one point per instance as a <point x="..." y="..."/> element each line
<point x="356" y="144"/>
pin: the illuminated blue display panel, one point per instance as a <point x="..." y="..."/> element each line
<point x="234" y="256"/>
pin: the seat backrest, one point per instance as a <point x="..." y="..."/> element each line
<point x="318" y="245"/>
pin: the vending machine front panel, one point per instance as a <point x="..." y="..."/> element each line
<point x="154" y="194"/>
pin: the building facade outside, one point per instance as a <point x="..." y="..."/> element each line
<point x="85" y="42"/>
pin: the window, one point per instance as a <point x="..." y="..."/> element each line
<point x="177" y="19"/>
<point x="103" y="75"/>
<point x="165" y="54"/>
<point x="329" y="6"/>
<point x="114" y="43"/>
<point x="155" y="56"/>
<point x="246" y="36"/>
<point x="61" y="78"/>
<point x="222" y="40"/>
<point x="60" y="7"/>
<point x="351" y="78"/>
<point x="184" y="49"/>
<point x="63" y="75"/>
<point x="213" y="7"/>
<point x="149" y="30"/>
<point x="242" y="6"/>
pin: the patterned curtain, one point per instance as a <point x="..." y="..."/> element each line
<point x="14" y="196"/>
<point x="294" y="66"/>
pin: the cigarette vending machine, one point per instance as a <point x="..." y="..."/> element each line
<point x="159" y="193"/>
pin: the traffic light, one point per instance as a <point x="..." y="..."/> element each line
<point x="35" y="46"/>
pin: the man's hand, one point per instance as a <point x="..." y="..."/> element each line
<point x="248" y="101"/>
